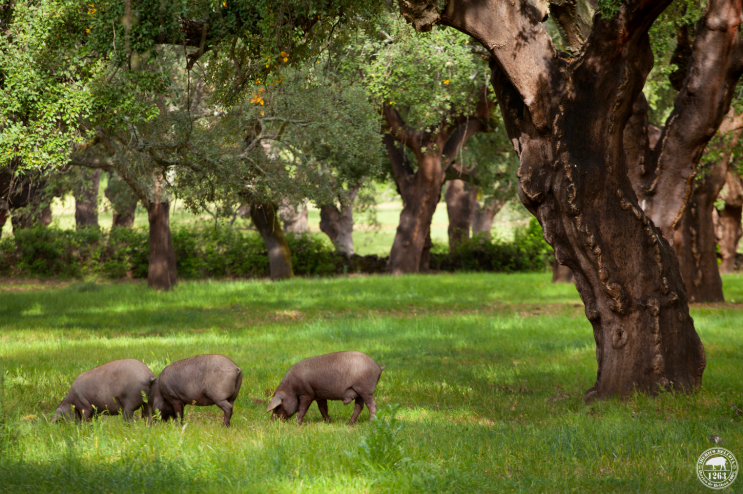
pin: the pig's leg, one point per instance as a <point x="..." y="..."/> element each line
<point x="323" y="406"/>
<point x="371" y="405"/>
<point x="226" y="407"/>
<point x="147" y="412"/>
<point x="356" y="410"/>
<point x="304" y="405"/>
<point x="178" y="407"/>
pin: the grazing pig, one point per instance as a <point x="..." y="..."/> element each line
<point x="203" y="380"/>
<point x="346" y="376"/>
<point x="115" y="387"/>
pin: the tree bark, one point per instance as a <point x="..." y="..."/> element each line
<point x="561" y="274"/>
<point x="566" y="121"/>
<point x="123" y="200"/>
<point x="161" y="274"/>
<point x="695" y="242"/>
<point x="708" y="73"/>
<point x="294" y="218"/>
<point x="730" y="230"/>
<point x="484" y="217"/>
<point x="461" y="204"/>
<point x="86" y="198"/>
<point x="421" y="191"/>
<point x="266" y="220"/>
<point x="4" y="213"/>
<point x="337" y="224"/>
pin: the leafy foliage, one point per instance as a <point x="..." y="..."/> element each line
<point x="381" y="448"/>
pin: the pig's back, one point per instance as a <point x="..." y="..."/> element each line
<point x="330" y="375"/>
<point x="117" y="379"/>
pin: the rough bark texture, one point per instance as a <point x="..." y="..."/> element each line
<point x="729" y="229"/>
<point x="695" y="242"/>
<point x="421" y="191"/>
<point x="337" y="224"/>
<point x="708" y="73"/>
<point x="566" y="120"/>
<point x="266" y="220"/>
<point x="294" y="218"/>
<point x="86" y="198"/>
<point x="161" y="274"/>
<point x="695" y="238"/>
<point x="461" y="204"/>
<point x="561" y="274"/>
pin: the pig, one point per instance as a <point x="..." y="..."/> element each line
<point x="115" y="387"/>
<point x="202" y="381"/>
<point x="346" y="376"/>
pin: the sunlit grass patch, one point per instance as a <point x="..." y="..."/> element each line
<point x="489" y="371"/>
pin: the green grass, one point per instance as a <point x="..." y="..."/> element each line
<point x="489" y="371"/>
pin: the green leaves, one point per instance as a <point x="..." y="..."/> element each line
<point x="381" y="448"/>
<point x="427" y="77"/>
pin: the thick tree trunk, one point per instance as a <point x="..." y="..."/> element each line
<point x="266" y="220"/>
<point x="730" y="233"/>
<point x="123" y="200"/>
<point x="695" y="241"/>
<point x="484" y="217"/>
<point x="420" y="198"/>
<point x="161" y="274"/>
<point x="86" y="198"/>
<point x="730" y="230"/>
<point x="566" y="121"/>
<point x="294" y="218"/>
<point x="421" y="191"/>
<point x="337" y="224"/>
<point x="461" y="204"/>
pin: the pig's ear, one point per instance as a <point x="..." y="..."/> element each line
<point x="275" y="402"/>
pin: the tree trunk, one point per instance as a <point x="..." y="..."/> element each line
<point x="566" y="121"/>
<point x="730" y="230"/>
<point x="421" y="191"/>
<point x="294" y="218"/>
<point x="484" y="217"/>
<point x="4" y="213"/>
<point x="420" y="197"/>
<point x="161" y="274"/>
<point x="461" y="204"/>
<point x="86" y="198"/>
<point x="122" y="199"/>
<point x="561" y="274"/>
<point x="266" y="219"/>
<point x="695" y="241"/>
<point x="338" y="224"/>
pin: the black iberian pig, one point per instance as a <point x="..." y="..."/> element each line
<point x="346" y="376"/>
<point x="115" y="387"/>
<point x="203" y="380"/>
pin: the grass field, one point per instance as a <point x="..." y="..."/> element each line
<point x="489" y="372"/>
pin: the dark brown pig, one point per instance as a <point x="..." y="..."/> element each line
<point x="346" y="376"/>
<point x="115" y="387"/>
<point x="202" y="381"/>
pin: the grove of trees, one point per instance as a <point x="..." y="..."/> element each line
<point x="615" y="122"/>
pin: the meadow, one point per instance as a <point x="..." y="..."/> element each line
<point x="486" y="373"/>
